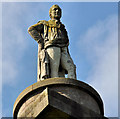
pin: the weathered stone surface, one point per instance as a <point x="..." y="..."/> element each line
<point x="54" y="59"/>
<point x="57" y="97"/>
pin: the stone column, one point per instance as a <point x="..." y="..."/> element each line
<point x="59" y="98"/>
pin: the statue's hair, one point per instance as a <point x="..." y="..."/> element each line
<point x="56" y="6"/>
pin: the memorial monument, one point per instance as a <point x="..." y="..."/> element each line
<point x="53" y="55"/>
<point x="54" y="96"/>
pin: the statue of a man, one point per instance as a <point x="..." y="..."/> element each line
<point x="53" y="56"/>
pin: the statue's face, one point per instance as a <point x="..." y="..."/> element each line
<point x="55" y="13"/>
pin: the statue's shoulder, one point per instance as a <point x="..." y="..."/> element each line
<point x="44" y="22"/>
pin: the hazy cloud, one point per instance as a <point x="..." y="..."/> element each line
<point x="13" y="42"/>
<point x="100" y="45"/>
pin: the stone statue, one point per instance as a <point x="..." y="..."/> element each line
<point x="53" y="55"/>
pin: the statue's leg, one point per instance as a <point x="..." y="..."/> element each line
<point x="67" y="63"/>
<point x="54" y="55"/>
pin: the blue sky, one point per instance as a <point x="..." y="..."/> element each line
<point x="93" y="33"/>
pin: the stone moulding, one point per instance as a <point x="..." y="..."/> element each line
<point x="76" y="92"/>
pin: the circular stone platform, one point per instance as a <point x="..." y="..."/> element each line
<point x="61" y="97"/>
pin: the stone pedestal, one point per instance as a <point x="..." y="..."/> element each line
<point x="59" y="98"/>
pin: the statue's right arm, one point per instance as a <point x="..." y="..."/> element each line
<point x="35" y="32"/>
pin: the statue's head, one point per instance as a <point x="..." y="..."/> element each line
<point x="55" y="12"/>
